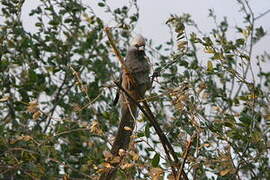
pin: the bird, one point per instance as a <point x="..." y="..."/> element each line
<point x="138" y="67"/>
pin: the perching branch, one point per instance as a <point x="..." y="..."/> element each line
<point x="149" y="115"/>
<point x="153" y="122"/>
<point x="145" y="109"/>
<point x="118" y="55"/>
<point x="185" y="157"/>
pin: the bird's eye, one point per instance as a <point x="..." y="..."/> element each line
<point x="137" y="46"/>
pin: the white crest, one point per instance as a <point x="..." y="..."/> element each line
<point x="138" y="41"/>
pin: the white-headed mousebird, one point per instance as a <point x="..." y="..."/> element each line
<point x="139" y="67"/>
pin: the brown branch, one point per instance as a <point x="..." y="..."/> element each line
<point x="118" y="55"/>
<point x="149" y="115"/>
<point x="145" y="108"/>
<point x="185" y="157"/>
<point x="57" y="99"/>
<point x="65" y="164"/>
<point x="116" y="51"/>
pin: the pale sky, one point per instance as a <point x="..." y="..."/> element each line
<point x="154" y="13"/>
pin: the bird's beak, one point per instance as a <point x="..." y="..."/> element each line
<point x="141" y="48"/>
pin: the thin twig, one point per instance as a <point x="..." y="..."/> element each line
<point x="251" y="23"/>
<point x="70" y="131"/>
<point x="84" y="89"/>
<point x="65" y="164"/>
<point x="261" y="15"/>
<point x="185" y="157"/>
<point x="56" y="99"/>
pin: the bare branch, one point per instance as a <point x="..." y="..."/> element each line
<point x="118" y="55"/>
<point x="149" y="115"/>
<point x="261" y="15"/>
<point x="180" y="171"/>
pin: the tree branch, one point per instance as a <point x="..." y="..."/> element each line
<point x="145" y="110"/>
<point x="185" y="157"/>
<point x="149" y="115"/>
<point x="261" y="15"/>
<point x="118" y="55"/>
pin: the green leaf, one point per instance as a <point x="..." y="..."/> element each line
<point x="209" y="66"/>
<point x="38" y="24"/>
<point x="240" y="42"/>
<point x="100" y="4"/>
<point x="68" y="20"/>
<point x="140" y="134"/>
<point x="54" y="22"/>
<point x="228" y="124"/>
<point x="155" y="160"/>
<point x="147" y="131"/>
<point x="245" y="119"/>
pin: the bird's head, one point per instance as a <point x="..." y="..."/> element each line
<point x="138" y="42"/>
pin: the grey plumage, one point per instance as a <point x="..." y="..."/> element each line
<point x="139" y="68"/>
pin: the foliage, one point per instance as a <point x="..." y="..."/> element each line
<point x="55" y="98"/>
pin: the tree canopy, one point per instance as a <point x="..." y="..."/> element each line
<point x="56" y="92"/>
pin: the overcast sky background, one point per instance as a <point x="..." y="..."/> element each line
<point x="154" y="13"/>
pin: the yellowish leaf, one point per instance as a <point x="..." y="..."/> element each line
<point x="205" y="95"/>
<point x="246" y="33"/>
<point x="225" y="172"/>
<point x="127" y="166"/>
<point x="252" y="96"/>
<point x="121" y="152"/>
<point x="106" y="165"/>
<point x="209" y="50"/>
<point x="209" y="66"/>
<point x="266" y="117"/>
<point x="36" y="115"/>
<point x="171" y="177"/>
<point x="116" y="159"/>
<point x="21" y="138"/>
<point x="65" y="177"/>
<point x="156" y="173"/>
<point x="134" y="155"/>
<point x="32" y="107"/>
<point x="127" y="128"/>
<point x="107" y="155"/>
<point x="77" y="108"/>
<point x="182" y="44"/>
<point x="216" y="108"/>
<point x="94" y="128"/>
<point x="26" y="138"/>
<point x="5" y="98"/>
